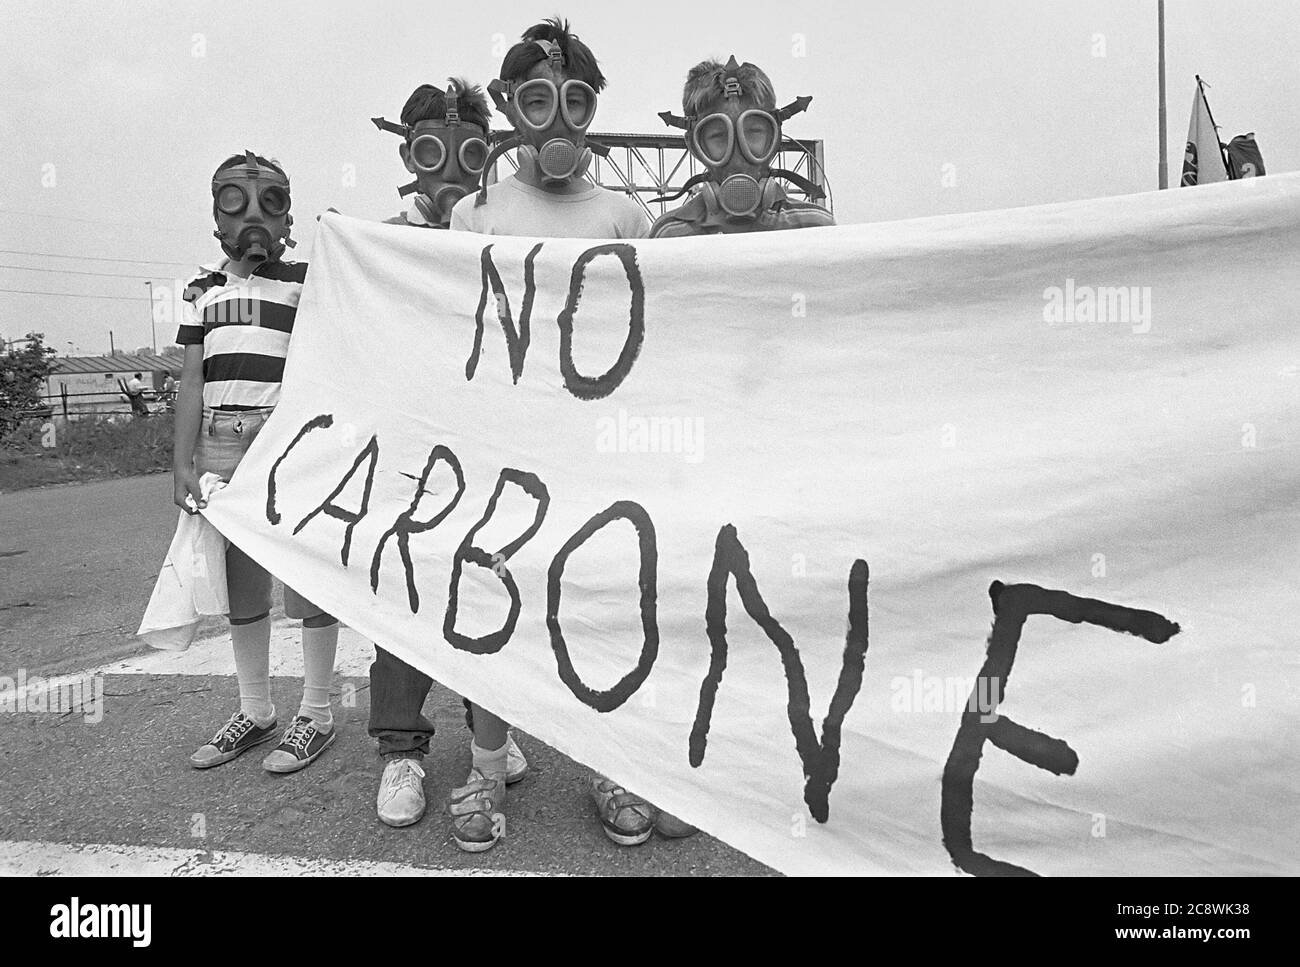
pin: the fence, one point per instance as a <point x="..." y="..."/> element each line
<point x="78" y="405"/>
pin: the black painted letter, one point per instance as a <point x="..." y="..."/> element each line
<point x="516" y="339"/>
<point x="1012" y="604"/>
<point x="324" y="420"/>
<point x="467" y="553"/>
<point x="349" y="517"/>
<point x="821" y="760"/>
<point x="406" y="525"/>
<point x="626" y="686"/>
<point x="597" y="387"/>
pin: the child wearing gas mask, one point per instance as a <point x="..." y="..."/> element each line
<point x="733" y="128"/>
<point x="547" y="88"/>
<point x="238" y="320"/>
<point x="445" y="145"/>
<point x="445" y="138"/>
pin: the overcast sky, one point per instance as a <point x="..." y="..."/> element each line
<point x="113" y="115"/>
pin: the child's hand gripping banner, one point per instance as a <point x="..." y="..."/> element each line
<point x="960" y="543"/>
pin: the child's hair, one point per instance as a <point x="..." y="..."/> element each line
<point x="579" y="61"/>
<point x="238" y="159"/>
<point x="704" y="84"/>
<point x="429" y="103"/>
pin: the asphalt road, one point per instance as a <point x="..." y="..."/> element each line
<point x="77" y="564"/>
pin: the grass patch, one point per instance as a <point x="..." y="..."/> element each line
<point x="93" y="448"/>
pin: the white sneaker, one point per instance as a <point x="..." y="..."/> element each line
<point x="401" y="793"/>
<point x="516" y="764"/>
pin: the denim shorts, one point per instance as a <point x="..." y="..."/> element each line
<point x="224" y="438"/>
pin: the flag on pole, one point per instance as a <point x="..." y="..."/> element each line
<point x="1244" y="156"/>
<point x="1202" y="158"/>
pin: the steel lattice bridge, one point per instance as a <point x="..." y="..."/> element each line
<point x="645" y="166"/>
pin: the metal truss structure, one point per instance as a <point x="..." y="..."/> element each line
<point x="645" y="166"/>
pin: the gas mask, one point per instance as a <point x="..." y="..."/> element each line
<point x="447" y="156"/>
<point x="737" y="144"/>
<point x="251" y="205"/>
<point x="550" y="121"/>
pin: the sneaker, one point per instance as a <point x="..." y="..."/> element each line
<point x="303" y="742"/>
<point x="401" y="792"/>
<point x="475" y="810"/>
<point x="516" y="764"/>
<point x="235" y="738"/>
<point x="669" y="825"/>
<point x="626" y="818"/>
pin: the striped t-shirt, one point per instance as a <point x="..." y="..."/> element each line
<point x="244" y="327"/>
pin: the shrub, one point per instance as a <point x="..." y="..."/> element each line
<point x="21" y="373"/>
<point x="59" y="450"/>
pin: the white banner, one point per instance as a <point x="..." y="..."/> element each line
<point x="729" y="519"/>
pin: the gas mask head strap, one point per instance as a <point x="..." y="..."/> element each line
<point x="383" y="124"/>
<point x="451" y="107"/>
<point x="251" y="169"/>
<point x="404" y="132"/>
<point x="790" y="110"/>
<point x="730" y="82"/>
<point x="554" y="54"/>
<point x="731" y="90"/>
<point x="502" y="91"/>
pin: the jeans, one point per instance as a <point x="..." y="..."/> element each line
<point x="397" y="694"/>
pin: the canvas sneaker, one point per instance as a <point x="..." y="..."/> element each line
<point x="232" y="740"/>
<point x="302" y="743"/>
<point x="475" y="809"/>
<point x="401" y="793"/>
<point x="626" y="818"/>
<point x="516" y="764"/>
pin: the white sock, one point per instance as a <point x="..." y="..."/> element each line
<point x="252" y="645"/>
<point x="492" y="763"/>
<point x="318" y="648"/>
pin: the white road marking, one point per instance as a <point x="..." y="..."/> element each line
<point x="43" y="858"/>
<point x="212" y="656"/>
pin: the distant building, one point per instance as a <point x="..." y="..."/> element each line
<point x="89" y="384"/>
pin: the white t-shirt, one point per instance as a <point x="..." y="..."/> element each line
<point x="514" y="208"/>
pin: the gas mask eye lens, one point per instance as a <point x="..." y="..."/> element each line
<point x="759" y="133"/>
<point x="473" y="155"/>
<point x="537" y="102"/>
<point x="537" y="108"/>
<point x="714" y="137"/>
<point x="231" y="199"/>
<point x="579" y="103"/>
<point x="428" y="153"/>
<point x="274" y="202"/>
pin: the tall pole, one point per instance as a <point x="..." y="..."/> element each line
<point x="1164" y="158"/>
<point x="152" y="329"/>
<point x="112" y="351"/>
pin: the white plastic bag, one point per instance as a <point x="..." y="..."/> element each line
<point x="192" y="583"/>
